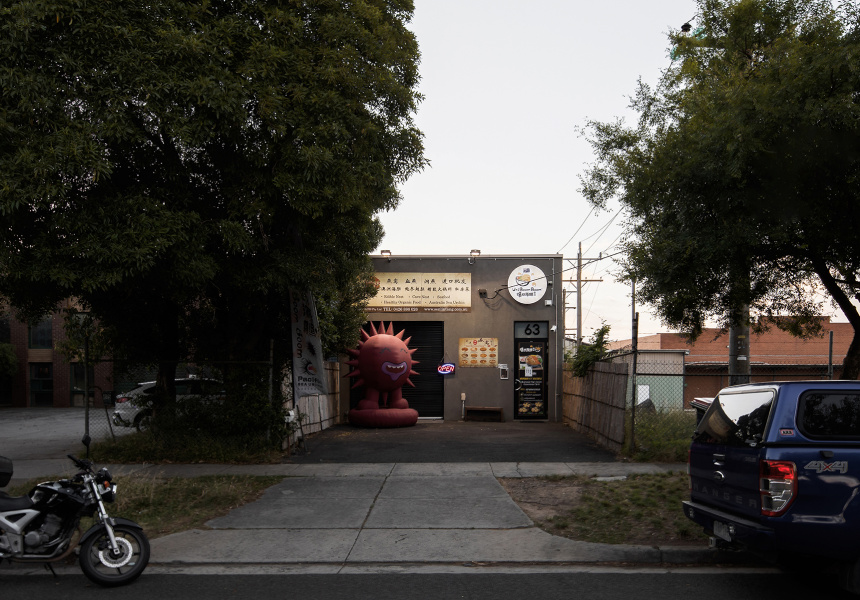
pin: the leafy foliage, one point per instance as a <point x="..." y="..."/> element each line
<point x="589" y="353"/>
<point x="740" y="178"/>
<point x="8" y="361"/>
<point x="179" y="166"/>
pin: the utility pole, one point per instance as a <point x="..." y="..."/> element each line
<point x="578" y="282"/>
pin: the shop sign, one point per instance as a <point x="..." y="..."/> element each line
<point x="446" y="369"/>
<point x="421" y="292"/>
<point x="527" y="284"/>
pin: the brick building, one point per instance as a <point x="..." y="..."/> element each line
<point x="775" y="355"/>
<point x="45" y="377"/>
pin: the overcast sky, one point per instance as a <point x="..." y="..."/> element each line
<point x="506" y="85"/>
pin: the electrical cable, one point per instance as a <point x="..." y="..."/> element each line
<point x="577" y="230"/>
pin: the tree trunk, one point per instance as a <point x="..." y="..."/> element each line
<point x="168" y="356"/>
<point x="851" y="364"/>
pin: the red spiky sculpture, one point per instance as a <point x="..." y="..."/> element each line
<point x="383" y="363"/>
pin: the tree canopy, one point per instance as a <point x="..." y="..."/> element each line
<point x="178" y="166"/>
<point x="740" y="178"/>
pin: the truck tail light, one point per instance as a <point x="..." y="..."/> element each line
<point x="777" y="486"/>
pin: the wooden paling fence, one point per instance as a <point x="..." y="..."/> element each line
<point x="595" y="404"/>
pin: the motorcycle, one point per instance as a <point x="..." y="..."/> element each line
<point x="43" y="526"/>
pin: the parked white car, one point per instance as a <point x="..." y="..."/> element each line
<point x="134" y="408"/>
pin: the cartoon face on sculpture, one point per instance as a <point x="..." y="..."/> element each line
<point x="383" y="360"/>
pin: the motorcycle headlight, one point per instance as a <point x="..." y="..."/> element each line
<point x="103" y="475"/>
<point x="107" y="491"/>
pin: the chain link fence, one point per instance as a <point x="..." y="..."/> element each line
<point x="121" y="394"/>
<point x="662" y="384"/>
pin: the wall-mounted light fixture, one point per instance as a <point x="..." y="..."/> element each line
<point x="386" y="254"/>
<point x="473" y="254"/>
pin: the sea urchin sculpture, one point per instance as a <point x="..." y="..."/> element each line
<point x="383" y="363"/>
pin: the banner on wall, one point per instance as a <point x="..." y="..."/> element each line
<point x="422" y="292"/>
<point x="309" y="377"/>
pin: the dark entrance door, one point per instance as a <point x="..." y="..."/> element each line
<point x="530" y="341"/>
<point x="428" y="395"/>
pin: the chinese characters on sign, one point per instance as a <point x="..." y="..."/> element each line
<point x="479" y="352"/>
<point x="422" y="292"/>
<point x="527" y="284"/>
<point x="531" y="381"/>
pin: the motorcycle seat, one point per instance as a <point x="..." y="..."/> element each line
<point x="8" y="502"/>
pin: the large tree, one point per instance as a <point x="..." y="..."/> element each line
<point x="179" y="166"/>
<point x="741" y="177"/>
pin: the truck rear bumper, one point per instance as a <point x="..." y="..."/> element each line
<point x="733" y="530"/>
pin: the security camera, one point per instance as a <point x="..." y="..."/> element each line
<point x="554" y="328"/>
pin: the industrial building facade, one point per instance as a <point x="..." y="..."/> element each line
<point x="488" y="332"/>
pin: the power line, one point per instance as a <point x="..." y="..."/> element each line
<point x="577" y="230"/>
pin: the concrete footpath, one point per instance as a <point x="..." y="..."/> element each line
<point x="333" y="517"/>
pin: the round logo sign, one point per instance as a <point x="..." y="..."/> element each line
<point x="527" y="284"/>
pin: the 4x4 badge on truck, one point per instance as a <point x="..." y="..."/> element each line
<point x="819" y="466"/>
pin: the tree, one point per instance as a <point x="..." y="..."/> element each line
<point x="740" y="178"/>
<point x="178" y="166"/>
<point x="588" y="353"/>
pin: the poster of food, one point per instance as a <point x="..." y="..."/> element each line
<point x="479" y="352"/>
<point x="531" y="380"/>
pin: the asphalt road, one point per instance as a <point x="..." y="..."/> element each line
<point x="50" y="433"/>
<point x="453" y="442"/>
<point x="599" y="584"/>
<point x="37" y="433"/>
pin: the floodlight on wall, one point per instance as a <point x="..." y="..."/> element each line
<point x="386" y="254"/>
<point x="473" y="254"/>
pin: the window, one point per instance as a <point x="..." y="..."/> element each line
<point x="736" y="419"/>
<point x="830" y="415"/>
<point x="40" y="334"/>
<point x="41" y="384"/>
<point x="77" y="381"/>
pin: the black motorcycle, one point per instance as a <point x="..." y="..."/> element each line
<point x="43" y="526"/>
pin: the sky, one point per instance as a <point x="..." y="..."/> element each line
<point x="508" y="85"/>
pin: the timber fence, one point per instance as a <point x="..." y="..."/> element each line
<point x="595" y="404"/>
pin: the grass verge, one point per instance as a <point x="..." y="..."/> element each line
<point x="169" y="505"/>
<point x="641" y="509"/>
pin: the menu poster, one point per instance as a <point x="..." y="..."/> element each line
<point x="531" y="399"/>
<point x="479" y="352"/>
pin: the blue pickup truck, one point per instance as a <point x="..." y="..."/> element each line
<point x="775" y="470"/>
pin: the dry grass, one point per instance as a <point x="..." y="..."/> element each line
<point x="642" y="509"/>
<point x="168" y="505"/>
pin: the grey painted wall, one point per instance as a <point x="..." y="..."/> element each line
<point x="492" y="316"/>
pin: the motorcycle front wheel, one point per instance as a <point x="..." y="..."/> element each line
<point x="104" y="567"/>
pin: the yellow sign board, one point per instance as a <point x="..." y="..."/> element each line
<point x="422" y="292"/>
